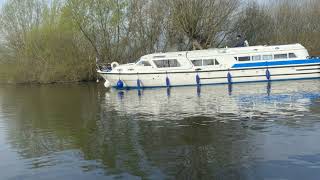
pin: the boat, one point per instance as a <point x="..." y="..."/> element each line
<point x="214" y="66"/>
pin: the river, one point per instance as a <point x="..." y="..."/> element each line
<point x="82" y="131"/>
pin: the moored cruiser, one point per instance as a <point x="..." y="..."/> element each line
<point x="215" y="66"/>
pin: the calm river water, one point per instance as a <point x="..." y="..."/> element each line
<point x="82" y="131"/>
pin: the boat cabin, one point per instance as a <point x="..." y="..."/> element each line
<point x="223" y="58"/>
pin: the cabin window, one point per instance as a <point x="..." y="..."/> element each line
<point x="208" y="62"/>
<point x="256" y="58"/>
<point x="244" y="58"/>
<point x="205" y="62"/>
<point x="197" y="62"/>
<point x="165" y="63"/>
<point x="236" y="58"/>
<point x="292" y="55"/>
<point x="144" y="63"/>
<point x="280" y="56"/>
<point x="267" y="57"/>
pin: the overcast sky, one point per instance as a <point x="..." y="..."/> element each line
<point x="1" y="2"/>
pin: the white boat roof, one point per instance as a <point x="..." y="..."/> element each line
<point x="229" y="51"/>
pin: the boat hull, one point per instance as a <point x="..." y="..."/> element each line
<point x="209" y="77"/>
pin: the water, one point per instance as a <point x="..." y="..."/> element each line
<point x="82" y="131"/>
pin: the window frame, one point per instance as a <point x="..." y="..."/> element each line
<point x="141" y="63"/>
<point x="267" y="55"/>
<point x="167" y="62"/>
<point x="198" y="60"/>
<point x="278" y="56"/>
<point x="244" y="57"/>
<point x="214" y="61"/>
<point x="253" y="59"/>
<point x="289" y="57"/>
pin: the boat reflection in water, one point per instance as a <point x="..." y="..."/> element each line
<point x="246" y="100"/>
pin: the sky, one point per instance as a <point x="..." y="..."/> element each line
<point x="1" y="2"/>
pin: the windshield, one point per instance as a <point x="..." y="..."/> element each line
<point x="143" y="63"/>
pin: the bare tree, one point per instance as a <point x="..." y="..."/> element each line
<point x="146" y="27"/>
<point x="18" y="18"/>
<point x="297" y="22"/>
<point x="255" y="24"/>
<point x="201" y="22"/>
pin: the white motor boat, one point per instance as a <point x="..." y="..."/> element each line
<point x="215" y="66"/>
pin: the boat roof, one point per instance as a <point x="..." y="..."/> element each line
<point x="229" y="51"/>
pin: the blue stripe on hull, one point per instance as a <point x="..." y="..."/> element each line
<point x="275" y="63"/>
<point x="293" y="79"/>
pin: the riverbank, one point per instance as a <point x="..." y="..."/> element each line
<point x="27" y="73"/>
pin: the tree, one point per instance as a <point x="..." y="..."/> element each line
<point x="297" y="22"/>
<point x="17" y="18"/>
<point x="202" y="23"/>
<point x="119" y="30"/>
<point x="255" y="24"/>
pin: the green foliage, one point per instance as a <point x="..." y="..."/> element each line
<point x="51" y="49"/>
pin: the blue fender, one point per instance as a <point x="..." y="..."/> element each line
<point x="198" y="80"/>
<point x="120" y="84"/>
<point x="138" y="84"/>
<point x="268" y="75"/>
<point x="229" y="77"/>
<point x="167" y="82"/>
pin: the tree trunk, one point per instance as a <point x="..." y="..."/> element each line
<point x="196" y="45"/>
